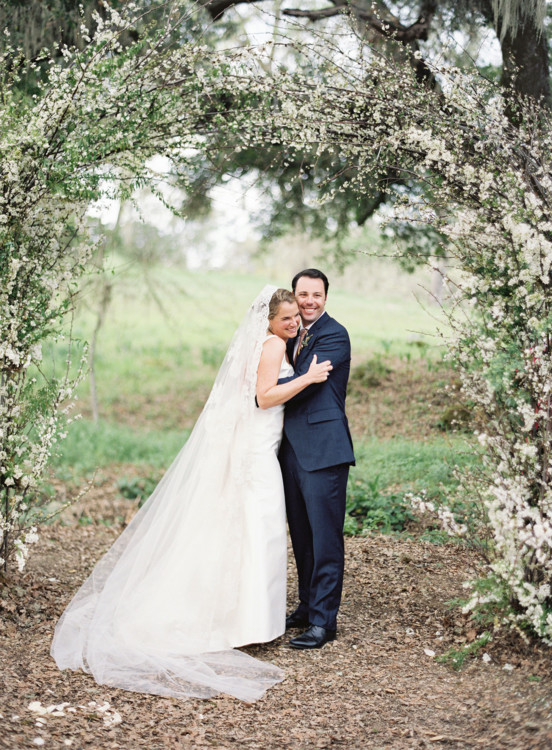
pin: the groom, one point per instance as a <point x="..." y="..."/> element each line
<point x="315" y="456"/>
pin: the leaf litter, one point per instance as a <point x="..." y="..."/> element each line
<point x="379" y="685"/>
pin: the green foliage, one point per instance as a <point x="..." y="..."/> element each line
<point x="40" y="504"/>
<point x="85" y="520"/>
<point x="98" y="112"/>
<point x="435" y="535"/>
<point x="370" y="373"/>
<point x="496" y="606"/>
<point x="139" y="488"/>
<point x="455" y="418"/>
<point x="387" y="469"/>
<point x="372" y="510"/>
<point x="456" y="657"/>
<point x="495" y="603"/>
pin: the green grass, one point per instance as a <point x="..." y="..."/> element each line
<point x="404" y="465"/>
<point x="158" y="350"/>
<point x="388" y="469"/>
<point x="395" y="465"/>
<point x="89" y="446"/>
<point x="385" y="471"/>
<point x="147" y="351"/>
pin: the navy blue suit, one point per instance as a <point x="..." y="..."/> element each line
<point x="315" y="456"/>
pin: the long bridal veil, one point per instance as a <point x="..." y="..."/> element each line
<point x="156" y="613"/>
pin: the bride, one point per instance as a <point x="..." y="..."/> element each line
<point x="201" y="569"/>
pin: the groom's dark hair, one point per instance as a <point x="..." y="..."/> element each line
<point x="312" y="273"/>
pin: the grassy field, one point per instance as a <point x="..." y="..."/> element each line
<point x="177" y="339"/>
<point x="157" y="355"/>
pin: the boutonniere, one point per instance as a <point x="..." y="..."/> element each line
<point x="304" y="343"/>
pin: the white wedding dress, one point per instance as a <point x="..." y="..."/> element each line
<point x="201" y="569"/>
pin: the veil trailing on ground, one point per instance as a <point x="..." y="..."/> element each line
<point x="155" y="614"/>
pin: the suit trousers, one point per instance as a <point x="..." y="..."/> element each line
<point x="315" y="506"/>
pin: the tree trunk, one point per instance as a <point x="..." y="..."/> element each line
<point x="525" y="67"/>
<point x="107" y="288"/>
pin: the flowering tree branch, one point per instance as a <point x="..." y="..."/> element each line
<point x="98" y="115"/>
<point x="488" y="194"/>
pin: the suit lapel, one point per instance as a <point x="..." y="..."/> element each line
<point x="312" y="335"/>
<point x="289" y="347"/>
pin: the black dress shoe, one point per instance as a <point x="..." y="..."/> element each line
<point x="297" y="620"/>
<point x="314" y="637"/>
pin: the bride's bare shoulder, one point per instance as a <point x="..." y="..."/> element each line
<point x="273" y="350"/>
<point x="274" y="344"/>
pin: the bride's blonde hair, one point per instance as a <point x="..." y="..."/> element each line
<point x="279" y="296"/>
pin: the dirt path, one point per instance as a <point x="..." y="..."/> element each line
<point x="374" y="687"/>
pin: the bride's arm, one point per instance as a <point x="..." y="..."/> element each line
<point x="269" y="393"/>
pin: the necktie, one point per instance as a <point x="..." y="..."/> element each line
<point x="301" y="339"/>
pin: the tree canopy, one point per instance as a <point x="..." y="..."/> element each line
<point x="296" y="188"/>
<point x="415" y="30"/>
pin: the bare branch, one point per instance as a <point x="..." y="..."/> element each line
<point x="315" y="15"/>
<point x="216" y="8"/>
<point x="390" y="28"/>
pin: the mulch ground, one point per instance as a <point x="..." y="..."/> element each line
<point x="377" y="686"/>
<point x="413" y="400"/>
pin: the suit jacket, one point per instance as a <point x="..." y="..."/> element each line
<point x="314" y="420"/>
